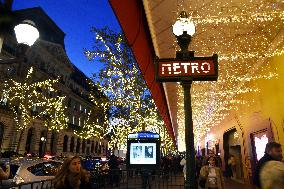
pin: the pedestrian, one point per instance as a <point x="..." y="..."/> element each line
<point x="232" y="166"/>
<point x="183" y="163"/>
<point x="211" y="175"/>
<point x="113" y="170"/>
<point x="273" y="151"/>
<point x="272" y="175"/>
<point x="72" y="175"/>
<point x="4" y="174"/>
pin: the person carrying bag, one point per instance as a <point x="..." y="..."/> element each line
<point x="211" y="176"/>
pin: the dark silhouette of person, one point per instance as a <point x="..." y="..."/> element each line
<point x="148" y="151"/>
<point x="113" y="170"/>
<point x="273" y="151"/>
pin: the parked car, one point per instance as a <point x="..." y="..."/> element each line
<point x="27" y="170"/>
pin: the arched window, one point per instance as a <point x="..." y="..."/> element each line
<point x="92" y="147"/>
<point x="88" y="147"/>
<point x="29" y="140"/>
<point x="96" y="148"/>
<point x="65" y="143"/>
<point x="72" y="144"/>
<point x="83" y="146"/>
<point x="78" y="145"/>
<point x="53" y="142"/>
<point x="1" y="133"/>
<point x="42" y="143"/>
<point x="100" y="149"/>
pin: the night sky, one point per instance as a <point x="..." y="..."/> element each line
<point x="76" y="18"/>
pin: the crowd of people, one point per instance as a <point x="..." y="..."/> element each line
<point x="269" y="172"/>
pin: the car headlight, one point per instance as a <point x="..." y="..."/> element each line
<point x="17" y="179"/>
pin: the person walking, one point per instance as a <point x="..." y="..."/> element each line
<point x="72" y="175"/>
<point x="273" y="151"/>
<point x="272" y="175"/>
<point x="113" y="171"/>
<point x="183" y="163"/>
<point x="211" y="175"/>
<point x="233" y="166"/>
<point x="4" y="174"/>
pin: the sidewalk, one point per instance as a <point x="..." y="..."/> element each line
<point x="231" y="184"/>
<point x="166" y="182"/>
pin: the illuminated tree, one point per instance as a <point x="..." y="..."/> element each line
<point x="30" y="99"/>
<point x="132" y="108"/>
<point x="95" y="125"/>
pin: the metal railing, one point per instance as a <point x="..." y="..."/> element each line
<point x="136" y="179"/>
<point x="120" y="179"/>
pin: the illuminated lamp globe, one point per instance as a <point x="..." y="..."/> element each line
<point x="26" y="33"/>
<point x="182" y="24"/>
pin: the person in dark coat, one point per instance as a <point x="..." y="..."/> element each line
<point x="113" y="170"/>
<point x="72" y="175"/>
<point x="273" y="151"/>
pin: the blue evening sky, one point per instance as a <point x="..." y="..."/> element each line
<point x="76" y="18"/>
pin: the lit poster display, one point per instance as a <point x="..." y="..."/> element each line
<point x="143" y="153"/>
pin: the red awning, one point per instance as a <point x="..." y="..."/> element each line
<point x="132" y="18"/>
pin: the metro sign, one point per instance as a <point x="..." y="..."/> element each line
<point x="194" y="68"/>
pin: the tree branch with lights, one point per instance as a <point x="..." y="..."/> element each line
<point x="30" y="99"/>
<point x="131" y="106"/>
<point x="95" y="125"/>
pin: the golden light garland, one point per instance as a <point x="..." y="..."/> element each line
<point x="124" y="86"/>
<point x="95" y="125"/>
<point x="29" y="93"/>
<point x="245" y="35"/>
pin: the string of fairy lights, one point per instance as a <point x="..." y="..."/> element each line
<point x="95" y="125"/>
<point x="245" y="35"/>
<point x="123" y="84"/>
<point x="42" y="97"/>
<point x="29" y="94"/>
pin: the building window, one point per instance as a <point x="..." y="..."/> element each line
<point x="53" y="142"/>
<point x="73" y="120"/>
<point x="65" y="143"/>
<point x="78" y="145"/>
<point x="3" y="100"/>
<point x="79" y="121"/>
<point x="92" y="147"/>
<point x="72" y="144"/>
<point x="80" y="107"/>
<point x="34" y="108"/>
<point x="83" y="146"/>
<point x="85" y="110"/>
<point x="96" y="148"/>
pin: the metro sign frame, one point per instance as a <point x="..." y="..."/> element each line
<point x="192" y="68"/>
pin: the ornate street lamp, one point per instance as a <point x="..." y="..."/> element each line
<point x="26" y="35"/>
<point x="186" y="68"/>
<point x="183" y="30"/>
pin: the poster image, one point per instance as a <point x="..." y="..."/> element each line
<point x="143" y="153"/>
<point x="137" y="151"/>
<point x="148" y="151"/>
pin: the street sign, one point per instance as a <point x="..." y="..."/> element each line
<point x="193" y="68"/>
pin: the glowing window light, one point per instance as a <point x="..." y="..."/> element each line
<point x="260" y="144"/>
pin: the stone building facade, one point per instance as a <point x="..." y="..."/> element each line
<point x="49" y="60"/>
